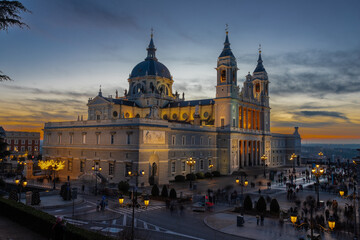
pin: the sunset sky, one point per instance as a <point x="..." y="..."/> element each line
<point x="310" y="49"/>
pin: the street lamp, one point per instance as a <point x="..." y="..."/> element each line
<point x="242" y="183"/>
<point x="190" y="162"/>
<point x="264" y="158"/>
<point x="134" y="198"/>
<point x="353" y="197"/>
<point x="96" y="168"/>
<point x="21" y="183"/>
<point x="317" y="171"/>
<point x="320" y="156"/>
<point x="121" y="200"/>
<point x="292" y="158"/>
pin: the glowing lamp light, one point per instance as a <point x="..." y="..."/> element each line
<point x="146" y="201"/>
<point x="129" y="173"/>
<point x="24" y="183"/>
<point x="341" y="192"/>
<point x="100" y="169"/>
<point x="93" y="168"/>
<point x="121" y="200"/>
<point x="331" y="223"/>
<point x="17" y="181"/>
<point x="246" y="182"/>
<point x="321" y="171"/>
<point x="317" y="165"/>
<point x="237" y="180"/>
<point x="313" y="170"/>
<point x="293" y="218"/>
<point x="142" y="172"/>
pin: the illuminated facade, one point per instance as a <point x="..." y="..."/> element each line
<point x="155" y="129"/>
<point x="22" y="143"/>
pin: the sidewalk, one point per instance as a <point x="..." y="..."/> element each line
<point x="271" y="230"/>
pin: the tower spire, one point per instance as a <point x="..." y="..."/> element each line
<point x="100" y="93"/>
<point x="226" y="50"/>
<point x="260" y="66"/>
<point x="151" y="48"/>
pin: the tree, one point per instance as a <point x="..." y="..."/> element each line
<point x="261" y="205"/>
<point x="155" y="191"/>
<point x="173" y="193"/>
<point x="248" y="203"/>
<point x="274" y="206"/>
<point x="164" y="192"/>
<point x="9" y="17"/>
<point x="35" y="198"/>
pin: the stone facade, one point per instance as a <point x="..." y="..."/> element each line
<point x="151" y="128"/>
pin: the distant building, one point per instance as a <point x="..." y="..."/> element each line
<point x="153" y="128"/>
<point x="20" y="143"/>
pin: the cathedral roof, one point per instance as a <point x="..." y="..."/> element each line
<point x="151" y="66"/>
<point x="226" y="50"/>
<point x="191" y="103"/>
<point x="260" y="66"/>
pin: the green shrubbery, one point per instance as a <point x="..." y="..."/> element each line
<point x="164" y="192"/>
<point x="208" y="175"/>
<point x="200" y="175"/>
<point x="190" y="177"/>
<point x="155" y="191"/>
<point x="123" y="187"/>
<point x="216" y="174"/>
<point x="248" y="203"/>
<point x="261" y="205"/>
<point x="173" y="193"/>
<point x="274" y="206"/>
<point x="179" y="178"/>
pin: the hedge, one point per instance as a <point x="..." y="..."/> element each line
<point x="42" y="222"/>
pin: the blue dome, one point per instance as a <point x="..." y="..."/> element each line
<point x="150" y="67"/>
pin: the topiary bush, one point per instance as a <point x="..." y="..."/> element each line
<point x="274" y="206"/>
<point x="200" y="175"/>
<point x="208" y="175"/>
<point x="190" y="177"/>
<point x="155" y="191"/>
<point x="261" y="205"/>
<point x="216" y="174"/>
<point x="164" y="192"/>
<point x="179" y="178"/>
<point x="35" y="198"/>
<point x="248" y="203"/>
<point x="123" y="187"/>
<point x="173" y="194"/>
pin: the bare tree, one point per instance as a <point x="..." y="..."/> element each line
<point x="9" y="17"/>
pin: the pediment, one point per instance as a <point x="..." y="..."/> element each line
<point x="98" y="100"/>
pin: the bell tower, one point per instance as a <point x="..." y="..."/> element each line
<point x="226" y="72"/>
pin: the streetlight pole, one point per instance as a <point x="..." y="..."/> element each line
<point x="134" y="198"/>
<point x="292" y="158"/>
<point x="21" y="183"/>
<point x="190" y="162"/>
<point x="317" y="171"/>
<point x="264" y="158"/>
<point x="96" y="168"/>
<point x="242" y="184"/>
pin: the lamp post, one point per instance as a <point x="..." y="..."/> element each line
<point x="190" y="162"/>
<point x="317" y="171"/>
<point x="134" y="198"/>
<point x="242" y="183"/>
<point x="292" y="158"/>
<point x="353" y="196"/>
<point x="96" y="168"/>
<point x="321" y="156"/>
<point x="264" y="158"/>
<point x="21" y="183"/>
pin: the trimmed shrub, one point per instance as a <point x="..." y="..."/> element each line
<point x="179" y="178"/>
<point x="216" y="174"/>
<point x="173" y="194"/>
<point x="65" y="192"/>
<point x="35" y="198"/>
<point x="274" y="206"/>
<point x="155" y="191"/>
<point x="261" y="205"/>
<point x="164" y="192"/>
<point x="190" y="177"/>
<point x="200" y="175"/>
<point x="123" y="187"/>
<point x="248" y="203"/>
<point x="208" y="175"/>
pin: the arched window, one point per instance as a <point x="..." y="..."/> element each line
<point x="257" y="87"/>
<point x="223" y="76"/>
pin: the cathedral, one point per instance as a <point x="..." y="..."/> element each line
<point x="154" y="129"/>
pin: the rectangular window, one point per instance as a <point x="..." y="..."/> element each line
<point x="201" y="164"/>
<point x="16" y="141"/>
<point x="29" y="149"/>
<point x="36" y="142"/>
<point x="70" y="162"/>
<point x="172" y="167"/>
<point x="82" y="165"/>
<point x="209" y="141"/>
<point x="98" y="138"/>
<point x="71" y="138"/>
<point x="193" y="140"/>
<point x="183" y="166"/>
<point x="222" y="123"/>
<point x="183" y="140"/>
<point x="29" y="142"/>
<point x="22" y="141"/>
<point x="112" y="139"/>
<point x="97" y="117"/>
<point x="16" y="149"/>
<point x="111" y="168"/>
<point x="23" y="148"/>
<point x="84" y="138"/>
<point x="173" y="139"/>
<point x="127" y="138"/>
<point x="201" y="140"/>
<point x="233" y="122"/>
<point x="59" y="139"/>
<point x="9" y="141"/>
<point x="35" y="149"/>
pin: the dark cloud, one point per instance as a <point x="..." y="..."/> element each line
<point x="322" y="114"/>
<point x="316" y="73"/>
<point x="300" y="124"/>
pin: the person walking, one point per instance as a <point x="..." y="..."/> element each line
<point x="257" y="219"/>
<point x="58" y="230"/>
<point x="262" y="219"/>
